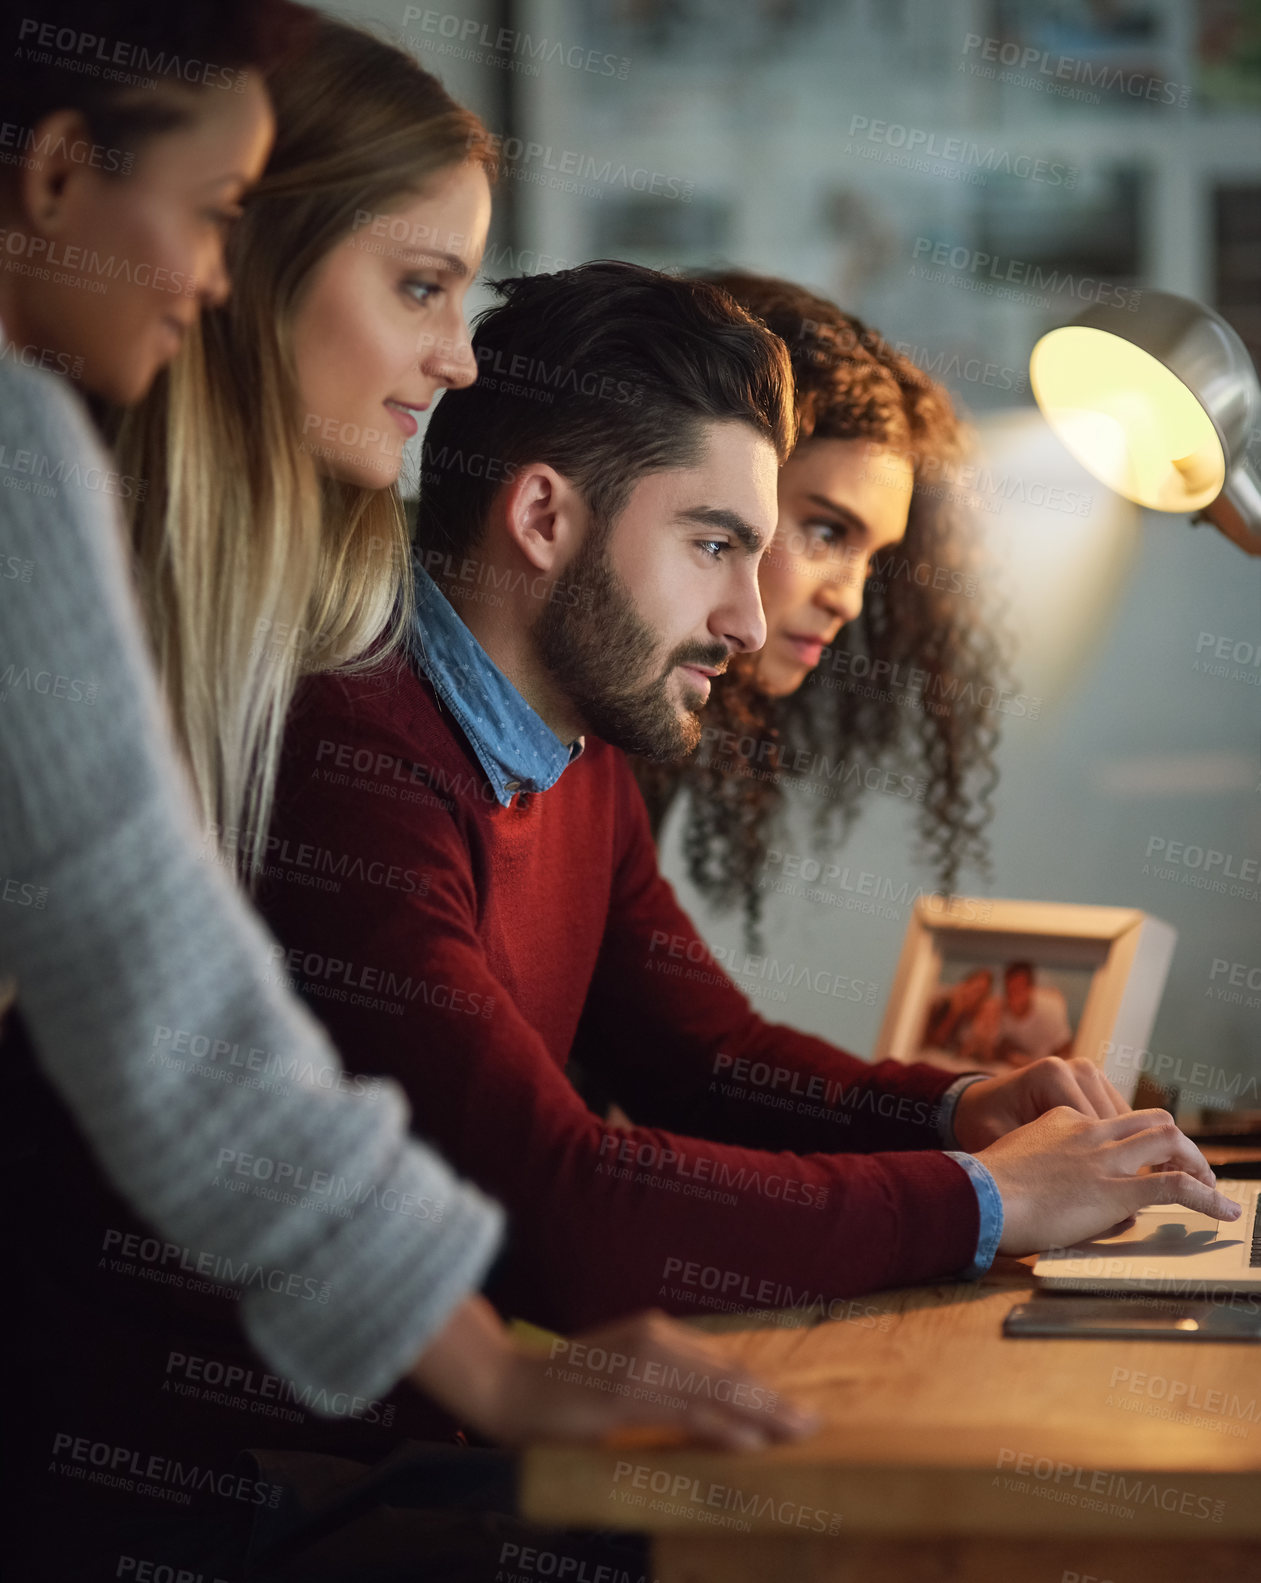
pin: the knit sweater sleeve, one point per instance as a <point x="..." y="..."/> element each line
<point x="145" y="978"/>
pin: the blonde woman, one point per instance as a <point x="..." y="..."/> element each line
<point x="272" y="542"/>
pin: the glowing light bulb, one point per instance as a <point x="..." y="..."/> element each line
<point x="1128" y="419"/>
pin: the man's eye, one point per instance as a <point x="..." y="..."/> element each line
<point x="714" y="548"/>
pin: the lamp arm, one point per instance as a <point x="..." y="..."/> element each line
<point x="1237" y="510"/>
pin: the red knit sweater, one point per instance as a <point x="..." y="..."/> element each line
<point x="469" y="950"/>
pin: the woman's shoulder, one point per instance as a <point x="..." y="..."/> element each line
<point x="33" y="397"/>
<point x="50" y="450"/>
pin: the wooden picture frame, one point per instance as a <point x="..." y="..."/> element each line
<point x="1127" y="953"/>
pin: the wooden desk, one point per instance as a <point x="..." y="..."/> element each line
<point x="949" y="1453"/>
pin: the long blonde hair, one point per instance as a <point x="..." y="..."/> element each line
<point x="253" y="569"/>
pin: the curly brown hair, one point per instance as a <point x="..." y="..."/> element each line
<point x="920" y="614"/>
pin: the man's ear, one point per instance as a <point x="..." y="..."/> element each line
<point x="50" y="177"/>
<point x="544" y="515"/>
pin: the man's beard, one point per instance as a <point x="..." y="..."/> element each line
<point x="602" y="655"/>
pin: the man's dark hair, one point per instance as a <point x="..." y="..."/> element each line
<point x="105" y="58"/>
<point x="605" y="372"/>
<point x="1017" y="970"/>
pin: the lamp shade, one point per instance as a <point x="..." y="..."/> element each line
<point x="1156" y="403"/>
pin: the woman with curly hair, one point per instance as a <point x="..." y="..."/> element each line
<point x="878" y="668"/>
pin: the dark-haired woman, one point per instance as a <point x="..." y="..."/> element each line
<point x="877" y="655"/>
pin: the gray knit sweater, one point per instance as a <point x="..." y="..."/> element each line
<point x="212" y="1099"/>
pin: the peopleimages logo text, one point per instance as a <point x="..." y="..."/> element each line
<point x="989" y="267"/>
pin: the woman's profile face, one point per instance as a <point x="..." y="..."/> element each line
<point x="840" y="503"/>
<point x="139" y="255"/>
<point x="379" y="328"/>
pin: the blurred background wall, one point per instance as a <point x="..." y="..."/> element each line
<point x="962" y="174"/>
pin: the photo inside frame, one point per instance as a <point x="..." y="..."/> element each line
<point x="978" y="1015"/>
<point x="1073" y="983"/>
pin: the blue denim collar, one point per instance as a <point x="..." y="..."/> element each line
<point x="518" y="750"/>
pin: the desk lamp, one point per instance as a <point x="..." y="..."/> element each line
<point x="1158" y="404"/>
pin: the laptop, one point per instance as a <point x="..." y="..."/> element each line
<point x="1169" y="1250"/>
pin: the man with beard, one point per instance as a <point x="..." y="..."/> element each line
<point x="464" y="885"/>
